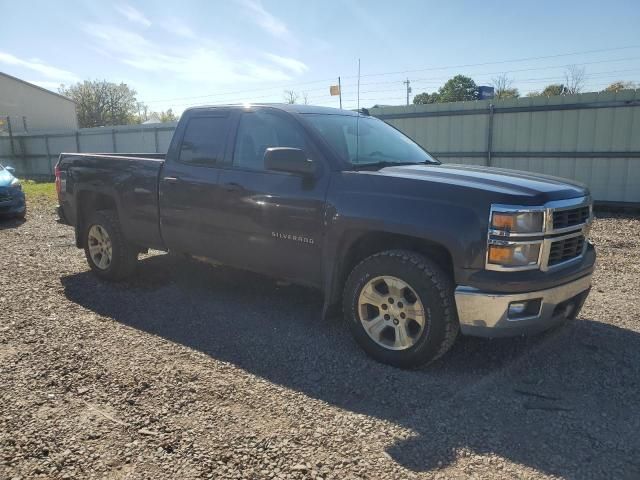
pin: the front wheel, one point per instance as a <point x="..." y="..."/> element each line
<point x="108" y="253"/>
<point x="400" y="308"/>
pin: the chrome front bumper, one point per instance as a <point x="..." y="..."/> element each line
<point x="487" y="314"/>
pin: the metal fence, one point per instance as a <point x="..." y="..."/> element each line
<point x="35" y="154"/>
<point x="593" y="138"/>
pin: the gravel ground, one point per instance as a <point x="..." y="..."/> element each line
<point x="192" y="371"/>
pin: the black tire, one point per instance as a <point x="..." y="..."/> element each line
<point x="124" y="255"/>
<point x="22" y="215"/>
<point x="434" y="289"/>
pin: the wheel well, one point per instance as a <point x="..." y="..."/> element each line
<point x="374" y="242"/>
<point x="88" y="202"/>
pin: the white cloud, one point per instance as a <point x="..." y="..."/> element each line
<point x="267" y="21"/>
<point x="296" y="66"/>
<point x="53" y="86"/>
<point x="133" y="15"/>
<point x="53" y="73"/>
<point x="203" y="63"/>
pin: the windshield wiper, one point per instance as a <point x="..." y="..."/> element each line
<point x="385" y="164"/>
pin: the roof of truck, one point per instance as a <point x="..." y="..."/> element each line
<point x="293" y="108"/>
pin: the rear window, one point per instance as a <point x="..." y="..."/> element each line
<point x="204" y="140"/>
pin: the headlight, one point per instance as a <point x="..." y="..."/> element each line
<point x="15" y="183"/>
<point x="514" y="255"/>
<point x="517" y="222"/>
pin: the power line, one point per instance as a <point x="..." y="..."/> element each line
<point x="404" y="71"/>
<point x="500" y="61"/>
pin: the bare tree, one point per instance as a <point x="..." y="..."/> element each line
<point x="503" y="87"/>
<point x="574" y="79"/>
<point x="290" y="96"/>
<point x="305" y="98"/>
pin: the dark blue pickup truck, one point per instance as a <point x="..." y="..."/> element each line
<point x="414" y="251"/>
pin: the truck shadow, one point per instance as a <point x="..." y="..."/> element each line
<point x="10" y="222"/>
<point x="565" y="403"/>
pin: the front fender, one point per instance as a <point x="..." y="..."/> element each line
<point x="460" y="230"/>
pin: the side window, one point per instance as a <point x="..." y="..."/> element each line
<point x="260" y="130"/>
<point x="204" y="140"/>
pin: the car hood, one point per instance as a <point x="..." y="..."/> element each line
<point x="5" y="178"/>
<point x="528" y="188"/>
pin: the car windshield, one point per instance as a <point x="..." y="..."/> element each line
<point x="362" y="141"/>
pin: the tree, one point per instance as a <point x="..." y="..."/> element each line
<point x="457" y="89"/>
<point x="168" y="116"/>
<point x="305" y="98"/>
<point x="100" y="103"/>
<point x="502" y="86"/>
<point x="574" y="79"/>
<point x="425" y="98"/>
<point x="619" y="86"/>
<point x="550" y="91"/>
<point x="290" y="96"/>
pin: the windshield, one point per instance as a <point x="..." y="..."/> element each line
<point x="367" y="141"/>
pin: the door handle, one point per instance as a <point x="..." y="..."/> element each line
<point x="233" y="187"/>
<point x="171" y="179"/>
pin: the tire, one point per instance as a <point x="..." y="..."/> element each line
<point x="124" y="256"/>
<point x="428" y="287"/>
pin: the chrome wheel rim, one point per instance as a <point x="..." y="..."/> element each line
<point x="391" y="312"/>
<point x="100" y="248"/>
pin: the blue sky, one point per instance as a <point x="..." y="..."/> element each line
<point x="181" y="53"/>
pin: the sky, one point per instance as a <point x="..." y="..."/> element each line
<point x="176" y="54"/>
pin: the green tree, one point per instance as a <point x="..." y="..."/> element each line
<point x="457" y="89"/>
<point x="550" y="91"/>
<point x="100" y="103"/>
<point x="424" y="98"/>
<point x="503" y="87"/>
<point x="168" y="116"/>
<point x="618" y="86"/>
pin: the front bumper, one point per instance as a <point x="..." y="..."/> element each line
<point x="15" y="205"/>
<point x="486" y="314"/>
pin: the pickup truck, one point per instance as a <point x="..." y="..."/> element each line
<point x="414" y="251"/>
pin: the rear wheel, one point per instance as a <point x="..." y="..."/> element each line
<point x="108" y="253"/>
<point x="400" y="308"/>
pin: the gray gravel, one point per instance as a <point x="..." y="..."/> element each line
<point x="192" y="371"/>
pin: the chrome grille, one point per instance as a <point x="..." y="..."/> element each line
<point x="570" y="217"/>
<point x="565" y="249"/>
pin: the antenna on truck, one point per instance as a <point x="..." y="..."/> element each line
<point x="358" y="117"/>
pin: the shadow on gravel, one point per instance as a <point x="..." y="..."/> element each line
<point x="6" y="223"/>
<point x="565" y="403"/>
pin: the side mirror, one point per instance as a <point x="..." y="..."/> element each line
<point x="292" y="160"/>
<point x="11" y="170"/>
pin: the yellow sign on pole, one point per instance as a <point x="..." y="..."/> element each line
<point x="334" y="90"/>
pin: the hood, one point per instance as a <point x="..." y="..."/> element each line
<point x="527" y="188"/>
<point x="5" y="178"/>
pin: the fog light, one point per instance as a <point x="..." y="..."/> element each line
<point x="524" y="309"/>
<point x="517" y="308"/>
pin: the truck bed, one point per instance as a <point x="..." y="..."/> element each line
<point x="130" y="179"/>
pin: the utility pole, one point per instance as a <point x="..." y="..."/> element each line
<point x="408" y="84"/>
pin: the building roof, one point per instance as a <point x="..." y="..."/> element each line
<point x="35" y="86"/>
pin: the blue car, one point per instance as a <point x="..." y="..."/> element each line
<point x="12" y="200"/>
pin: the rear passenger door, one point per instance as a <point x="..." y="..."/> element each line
<point x="189" y="182"/>
<point x="272" y="221"/>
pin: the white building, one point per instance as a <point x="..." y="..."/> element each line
<point x="28" y="107"/>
